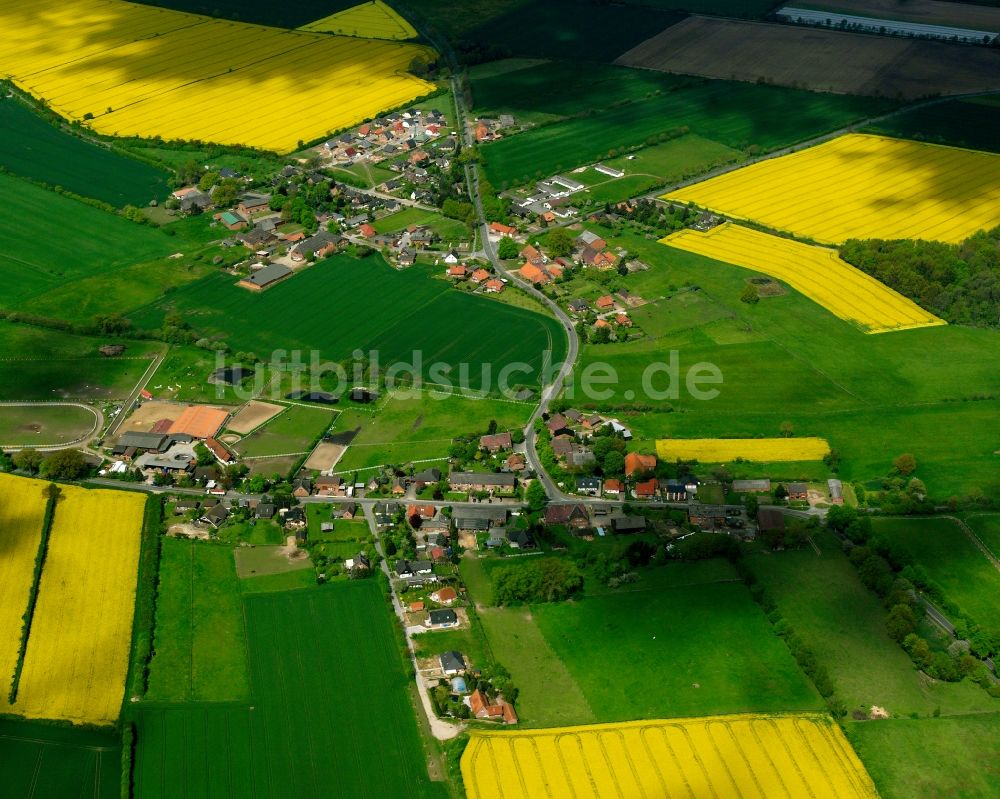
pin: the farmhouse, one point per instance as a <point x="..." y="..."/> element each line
<point x="589" y="239"/>
<point x="496" y="442"/>
<point x="222" y="455"/>
<point x="570" y="515"/>
<point x="752" y="486"/>
<point x="302" y="487"/>
<point x="520" y="539"/>
<point x="422" y="512"/>
<point x="613" y="488"/>
<point x="708" y="517"/>
<point x="452" y="663"/>
<point x="441" y="618"/>
<point x="646" y="489"/>
<point x="482" y="481"/>
<point x="797" y="490"/>
<point x="637" y="464"/>
<point x="482" y="707"/>
<point x="479" y="518"/>
<point x="252" y="203"/>
<point x="534" y="274"/>
<point x="836" y="489"/>
<point x="319" y="246"/>
<point x="516" y="462"/>
<point x="628" y="524"/>
<point x="502" y="230"/>
<point x="494" y="286"/>
<point x="265" y="278"/>
<point x="215" y="516"/>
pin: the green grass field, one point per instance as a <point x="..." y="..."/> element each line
<point x="736" y="115"/>
<point x="404" y="429"/>
<point x="987" y="527"/>
<point x="264" y="561"/>
<point x="352" y="732"/>
<point x="344" y="530"/>
<point x="32" y="147"/>
<point x="936" y="758"/>
<point x="974" y="123"/>
<point x="450" y="230"/>
<point x="41" y="761"/>
<point x="412" y="313"/>
<point x="290" y="432"/>
<point x="200" y="641"/>
<point x="89" y="241"/>
<point x="42" y="426"/>
<point x="925" y="391"/>
<point x="952" y="561"/>
<point x="844" y="624"/>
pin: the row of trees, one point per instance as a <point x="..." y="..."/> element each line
<point x="66" y="464"/>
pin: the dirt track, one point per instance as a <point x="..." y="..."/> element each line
<point x="817" y="59"/>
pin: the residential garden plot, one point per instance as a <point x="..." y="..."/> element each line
<point x="413" y="313"/>
<point x="952" y="560"/>
<point x="314" y="731"/>
<point x="263" y="561"/>
<point x="372" y="20"/>
<point x="78" y="651"/>
<point x="22" y="508"/>
<point x="344" y="530"/>
<point x="722" y="450"/>
<point x="861" y="186"/>
<point x="818" y="59"/>
<point x="816" y="272"/>
<point x="89" y="241"/>
<point x="744" y="755"/>
<point x="972" y="123"/>
<point x="41" y="761"/>
<point x="44" y="425"/>
<point x="843" y="622"/>
<point x="200" y="643"/>
<point x="690" y="650"/>
<point x="736" y="115"/>
<point x="406" y="428"/>
<point x="32" y="147"/>
<point x="939" y="758"/>
<point x="126" y="69"/>
<point x="292" y="432"/>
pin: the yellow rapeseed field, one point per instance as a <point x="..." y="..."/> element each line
<point x="718" y="756"/>
<point x="22" y="507"/>
<point x="133" y="70"/>
<point x="724" y="450"/>
<point x="817" y="272"/>
<point x="78" y="651"/>
<point x="374" y="20"/>
<point x="862" y="187"/>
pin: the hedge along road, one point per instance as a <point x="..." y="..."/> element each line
<point x="89" y="436"/>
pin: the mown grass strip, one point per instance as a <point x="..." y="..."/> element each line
<point x="52" y="493"/>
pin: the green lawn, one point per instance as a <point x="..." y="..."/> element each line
<point x="89" y="241"/>
<point x="987" y="527"/>
<point x="951" y="560"/>
<point x="924" y="391"/>
<point x="411" y="313"/>
<point x="43" y="426"/>
<point x="935" y="758"/>
<point x="736" y="115"/>
<point x="404" y="429"/>
<point x="344" y="530"/>
<point x="200" y="641"/>
<point x="450" y="230"/>
<point x="43" y="761"/>
<point x="290" y="432"/>
<point x="264" y="561"/>
<point x="844" y="624"/>
<point x="33" y="147"/>
<point x="282" y="581"/>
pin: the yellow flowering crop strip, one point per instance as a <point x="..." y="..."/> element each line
<point x="374" y="20"/>
<point x="817" y="272"/>
<point x="22" y="507"/>
<point x="78" y="651"/>
<point x="749" y="756"/>
<point x="724" y="450"/>
<point x="132" y="70"/>
<point x="863" y="187"/>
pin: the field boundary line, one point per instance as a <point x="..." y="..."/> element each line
<point x="977" y="541"/>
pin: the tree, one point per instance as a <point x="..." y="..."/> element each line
<point x="750" y="295"/>
<point x="901" y="622"/>
<point x="535" y="496"/>
<point x="905" y="464"/>
<point x="559" y="243"/>
<point x="787" y="429"/>
<point x="614" y="463"/>
<point x="204" y="455"/>
<point x="507" y="248"/>
<point x="752" y="504"/>
<point x="208" y="180"/>
<point x="67" y="464"/>
<point x="27" y="460"/>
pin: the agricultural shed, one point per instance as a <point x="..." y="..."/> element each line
<point x="265" y="277"/>
<point x="752" y="486"/>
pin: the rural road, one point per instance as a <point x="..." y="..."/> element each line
<point x="93" y="433"/>
<point x="573" y="349"/>
<point x="128" y="403"/>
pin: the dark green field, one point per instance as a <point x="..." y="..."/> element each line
<point x="89" y="241"/>
<point x="738" y="115"/>
<point x="343" y="304"/>
<point x="200" y="642"/>
<point x="925" y="391"/>
<point x="33" y="148"/>
<point x="973" y="123"/>
<point x="39" y="761"/>
<point x="330" y="712"/>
